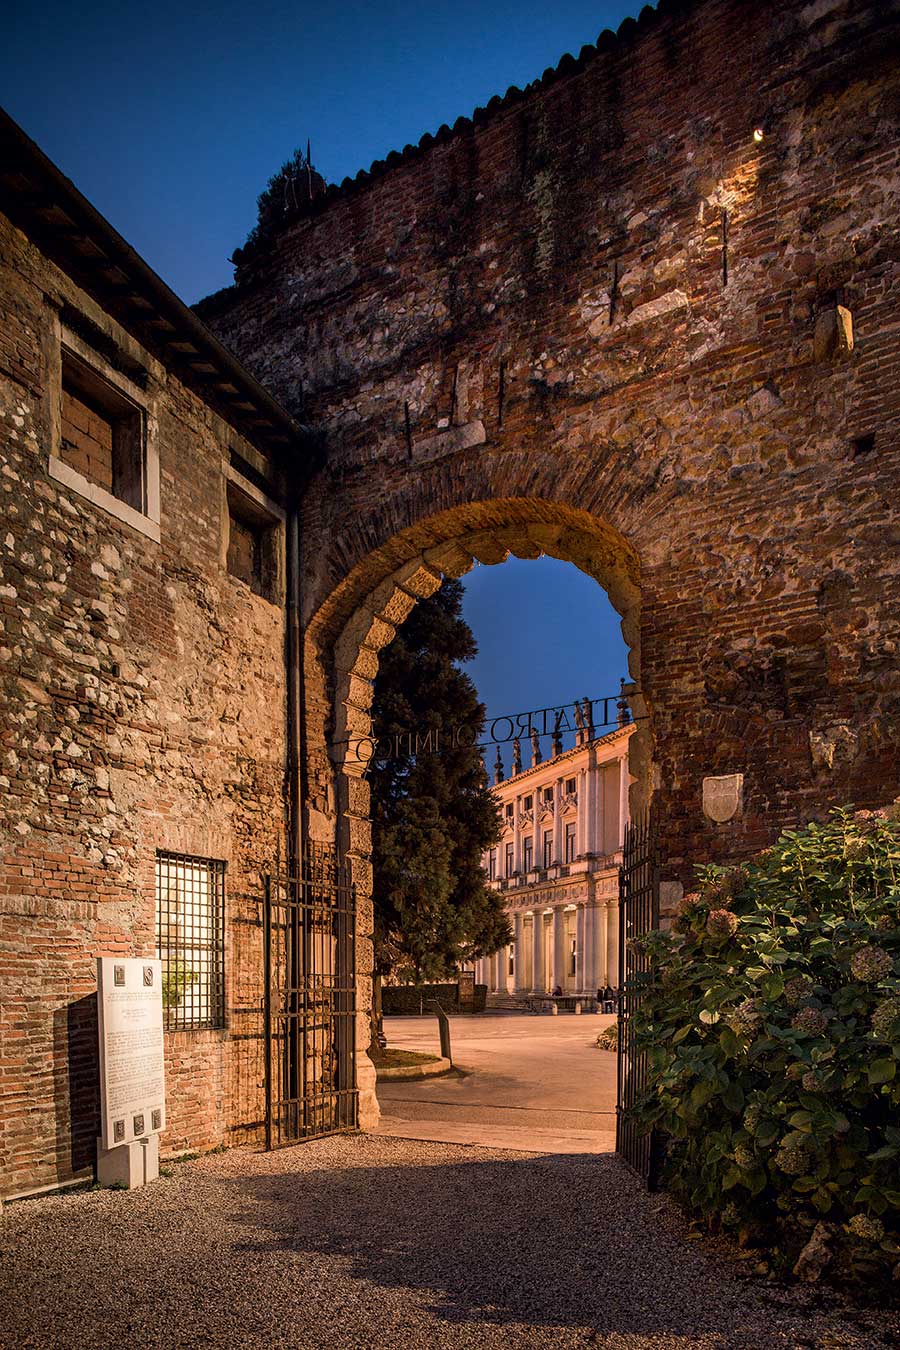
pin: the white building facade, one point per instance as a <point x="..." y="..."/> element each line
<point x="557" y="865"/>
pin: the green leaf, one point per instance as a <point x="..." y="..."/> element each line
<point x="733" y="1097"/>
<point x="882" y="1071"/>
<point x="681" y="1034"/>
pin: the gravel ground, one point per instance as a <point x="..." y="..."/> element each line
<point x="364" y="1242"/>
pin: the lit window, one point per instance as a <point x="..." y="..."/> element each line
<point x="190" y="940"/>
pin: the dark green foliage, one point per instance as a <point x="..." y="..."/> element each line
<point x="433" y="816"/>
<point x="772" y="1027"/>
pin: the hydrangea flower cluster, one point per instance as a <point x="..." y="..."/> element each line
<point x="813" y="1082"/>
<point x="792" y="1158"/>
<point x="811" y="1021"/>
<point x="722" y="923"/>
<point x="862" y="1226"/>
<point x="797" y="991"/>
<point x="744" y="1156"/>
<point x="752" y="1117"/>
<point x="886" y="1020"/>
<point x="871" y="963"/>
<point x="746" y="1017"/>
<point x="856" y="849"/>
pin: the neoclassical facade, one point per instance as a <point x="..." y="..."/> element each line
<point x="557" y="866"/>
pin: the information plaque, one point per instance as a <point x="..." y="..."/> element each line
<point x="132" y="1074"/>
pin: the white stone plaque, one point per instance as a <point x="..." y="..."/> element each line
<point x="132" y="1074"/>
<point x="722" y="797"/>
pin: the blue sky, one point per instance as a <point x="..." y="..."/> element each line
<point x="546" y="634"/>
<point x="171" y="118"/>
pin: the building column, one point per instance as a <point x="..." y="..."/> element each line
<point x="538" y="981"/>
<point x="502" y="961"/>
<point x="517" y="838"/>
<point x="519" y="981"/>
<point x="612" y="943"/>
<point x="559" y="947"/>
<point x="624" y="780"/>
<point x="581" y="817"/>
<point x="537" y="845"/>
<point x="588" y="984"/>
<point x="558" y="849"/>
<point x="579" y="947"/>
<point x="602" y="946"/>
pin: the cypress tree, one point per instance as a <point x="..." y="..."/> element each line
<point x="433" y="814"/>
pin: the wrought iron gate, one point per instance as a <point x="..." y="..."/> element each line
<point x="638" y="913"/>
<point x="309" y="999"/>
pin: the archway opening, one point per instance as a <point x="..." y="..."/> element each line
<point x="361" y="616"/>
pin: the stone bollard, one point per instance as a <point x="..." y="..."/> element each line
<point x="577" y="1006"/>
<point x="554" y="1010"/>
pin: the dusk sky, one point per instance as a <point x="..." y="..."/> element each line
<point x="172" y="119"/>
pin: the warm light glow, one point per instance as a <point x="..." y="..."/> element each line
<point x="758" y="134"/>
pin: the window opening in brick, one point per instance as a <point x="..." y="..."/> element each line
<point x="102" y="433"/>
<point x="190" y="940"/>
<point x="252" y="544"/>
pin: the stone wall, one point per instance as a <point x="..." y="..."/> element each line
<point x="609" y="319"/>
<point x="143" y="696"/>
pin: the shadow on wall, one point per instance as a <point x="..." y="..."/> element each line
<point x="77" y="1085"/>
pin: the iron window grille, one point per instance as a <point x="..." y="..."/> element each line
<point x="190" y="940"/>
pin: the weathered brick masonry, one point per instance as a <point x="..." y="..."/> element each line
<point x="604" y="320"/>
<point x="143" y="696"/>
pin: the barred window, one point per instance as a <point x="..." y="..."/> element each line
<point x="190" y="940"/>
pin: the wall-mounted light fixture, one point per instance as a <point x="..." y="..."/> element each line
<point x="759" y="134"/>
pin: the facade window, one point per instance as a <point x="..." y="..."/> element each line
<point x="570" y="841"/>
<point x="527" y="854"/>
<point x="190" y="940"/>
<point x="492" y="864"/>
<point x="548" y="794"/>
<point x="509" y="860"/>
<point x="528" y="803"/>
<point x="101" y="433"/>
<point x="570" y="787"/>
<point x="509" y="810"/>
<point x="254" y="543"/>
<point x="548" y="847"/>
<point x="511" y="963"/>
<point x="104" y="433"/>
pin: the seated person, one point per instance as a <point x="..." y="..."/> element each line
<point x="557" y="992"/>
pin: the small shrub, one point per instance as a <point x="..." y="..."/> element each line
<point x="773" y="1040"/>
<point x="608" y="1038"/>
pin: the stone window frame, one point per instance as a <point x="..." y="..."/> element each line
<point x="69" y="345"/>
<point x="238" y="491"/>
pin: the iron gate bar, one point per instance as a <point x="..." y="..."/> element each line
<point x="309" y="1001"/>
<point x="638" y="914"/>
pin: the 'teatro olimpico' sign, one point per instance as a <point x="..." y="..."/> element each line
<point x="132" y="1074"/>
<point x="587" y="717"/>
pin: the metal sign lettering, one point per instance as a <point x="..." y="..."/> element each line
<point x="587" y="718"/>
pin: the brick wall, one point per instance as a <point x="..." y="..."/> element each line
<point x="600" y="320"/>
<point x="605" y="311"/>
<point x="143" y="697"/>
<point x="87" y="440"/>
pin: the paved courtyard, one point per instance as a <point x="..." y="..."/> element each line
<point x="528" y="1082"/>
<point x="362" y="1242"/>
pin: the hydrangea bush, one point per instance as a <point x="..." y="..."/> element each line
<point x="771" y="1023"/>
